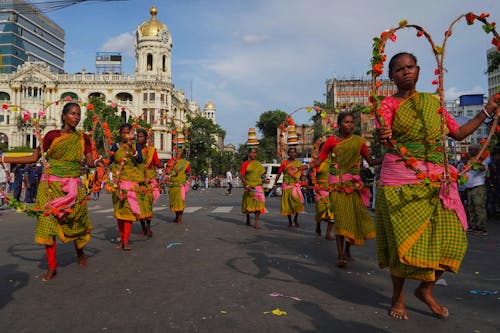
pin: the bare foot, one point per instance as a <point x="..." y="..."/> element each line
<point x="256" y="226"/>
<point x="126" y="247"/>
<point x="398" y="311"/>
<point x="425" y="295"/>
<point x="328" y="237"/>
<point x="341" y="263"/>
<point x="51" y="273"/>
<point x="119" y="246"/>
<point x="82" y="260"/>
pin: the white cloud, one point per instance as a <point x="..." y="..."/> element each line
<point x="254" y="39"/>
<point x="453" y="93"/>
<point x="123" y="43"/>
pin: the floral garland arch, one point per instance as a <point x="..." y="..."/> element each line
<point x="377" y="61"/>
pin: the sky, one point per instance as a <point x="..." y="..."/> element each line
<point x="252" y="56"/>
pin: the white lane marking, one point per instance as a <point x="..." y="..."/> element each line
<point x="191" y="209"/>
<point x="223" y="209"/>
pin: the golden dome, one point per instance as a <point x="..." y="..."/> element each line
<point x="210" y="105"/>
<point x="153" y="26"/>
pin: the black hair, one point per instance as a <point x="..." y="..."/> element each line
<point x="396" y="56"/>
<point x="292" y="147"/>
<point x="250" y="148"/>
<point x="143" y="131"/>
<point x="66" y="109"/>
<point x="125" y="125"/>
<point x="342" y="115"/>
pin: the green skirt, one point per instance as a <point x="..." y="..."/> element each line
<point x="416" y="235"/>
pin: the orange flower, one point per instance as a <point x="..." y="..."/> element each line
<point x="378" y="68"/>
<point x="378" y="84"/>
<point x="470" y="17"/>
<point x="90" y="107"/>
<point x="403" y="150"/>
<point x="454" y="176"/>
<point x="420" y="175"/>
<point x="105" y="125"/>
<point x="411" y="162"/>
<point x="433" y="177"/>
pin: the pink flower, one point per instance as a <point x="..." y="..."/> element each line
<point x="436" y="71"/>
<point x="26" y="115"/>
<point x="335" y="125"/>
<point x="41" y="113"/>
<point x="68" y="98"/>
<point x="435" y="82"/>
<point x="113" y="105"/>
<point x="393" y="37"/>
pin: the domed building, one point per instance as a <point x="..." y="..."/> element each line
<point x="149" y="93"/>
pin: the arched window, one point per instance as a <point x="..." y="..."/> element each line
<point x="150" y="62"/>
<point x="70" y="94"/>
<point x="97" y="95"/>
<point x="4" y="96"/>
<point x="164" y="63"/>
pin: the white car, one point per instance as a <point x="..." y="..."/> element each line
<point x="270" y="176"/>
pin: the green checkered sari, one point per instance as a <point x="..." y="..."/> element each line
<point x="415" y="235"/>
<point x="64" y="156"/>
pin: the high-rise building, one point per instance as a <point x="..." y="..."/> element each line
<point x="28" y="35"/>
<point x="494" y="76"/>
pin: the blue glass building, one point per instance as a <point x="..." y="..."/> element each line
<point x="28" y="35"/>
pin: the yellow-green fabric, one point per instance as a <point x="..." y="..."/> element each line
<point x="352" y="219"/>
<point x="145" y="195"/>
<point x="253" y="177"/>
<point x="178" y="178"/>
<point x="64" y="156"/>
<point x="324" y="207"/>
<point x="126" y="168"/>
<point x="416" y="235"/>
<point x="291" y="204"/>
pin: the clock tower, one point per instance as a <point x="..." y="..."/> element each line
<point x="153" y="47"/>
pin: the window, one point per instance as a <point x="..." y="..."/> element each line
<point x="152" y="97"/>
<point x="149" y="62"/>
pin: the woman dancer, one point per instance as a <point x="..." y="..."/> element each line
<point x="292" y="200"/>
<point x="253" y="195"/>
<point x="349" y="197"/>
<point x="150" y="190"/>
<point x="125" y="159"/>
<point x="60" y="190"/>
<point x="179" y="171"/>
<point x="420" y="219"/>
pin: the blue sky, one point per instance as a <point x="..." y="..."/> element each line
<point x="251" y="56"/>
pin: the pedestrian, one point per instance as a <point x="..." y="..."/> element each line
<point x="476" y="194"/>
<point x="349" y="197"/>
<point x="150" y="189"/>
<point x="178" y="170"/>
<point x="292" y="200"/>
<point x="324" y="207"/>
<point x="253" y="201"/>
<point x="229" y="179"/>
<point x="31" y="183"/>
<point x="419" y="234"/>
<point x="125" y="158"/>
<point x="494" y="180"/>
<point x="61" y="192"/>
<point x="17" y="186"/>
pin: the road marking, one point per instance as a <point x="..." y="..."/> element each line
<point x="155" y="209"/>
<point x="109" y="210"/>
<point x="223" y="209"/>
<point x="191" y="209"/>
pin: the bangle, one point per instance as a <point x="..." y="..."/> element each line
<point x="3" y="159"/>
<point x="487" y="114"/>
<point x="136" y="153"/>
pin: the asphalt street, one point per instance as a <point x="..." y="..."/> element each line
<point x="214" y="274"/>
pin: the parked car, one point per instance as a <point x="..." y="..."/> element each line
<point x="270" y="176"/>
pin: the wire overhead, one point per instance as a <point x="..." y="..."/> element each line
<point x="45" y="6"/>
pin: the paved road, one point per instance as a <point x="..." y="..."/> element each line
<point x="219" y="279"/>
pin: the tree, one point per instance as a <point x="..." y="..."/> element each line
<point x="203" y="148"/>
<point x="268" y="124"/>
<point x="493" y="62"/>
<point x="106" y="114"/>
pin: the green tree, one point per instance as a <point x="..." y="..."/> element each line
<point x="203" y="149"/>
<point x="268" y="124"/>
<point x="493" y="62"/>
<point x="106" y="114"/>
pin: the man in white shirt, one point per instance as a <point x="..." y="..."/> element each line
<point x="476" y="194"/>
<point x="229" y="178"/>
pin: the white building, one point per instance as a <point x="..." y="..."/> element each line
<point x="148" y="93"/>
